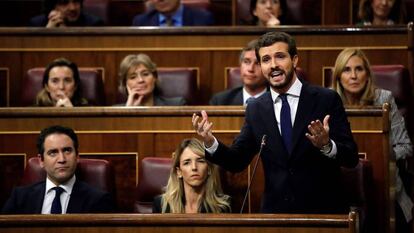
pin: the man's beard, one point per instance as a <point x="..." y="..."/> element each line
<point x="286" y="82"/>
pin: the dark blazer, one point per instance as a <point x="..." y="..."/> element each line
<point x="84" y="199"/>
<point x="156" y="207"/>
<point x="228" y="97"/>
<point x="191" y="17"/>
<point x="84" y="20"/>
<point x="305" y="181"/>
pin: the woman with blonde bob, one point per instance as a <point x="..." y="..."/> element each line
<point x="353" y="77"/>
<point x="138" y="79"/>
<point x="194" y="183"/>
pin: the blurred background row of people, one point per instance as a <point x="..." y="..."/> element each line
<point x="61" y="13"/>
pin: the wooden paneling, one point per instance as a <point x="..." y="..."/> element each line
<point x="119" y="133"/>
<point x="209" y="49"/>
<point x="4" y="87"/>
<point x="181" y="223"/>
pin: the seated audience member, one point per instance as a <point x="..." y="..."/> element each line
<point x="194" y="183"/>
<point x="62" y="13"/>
<point x="355" y="86"/>
<point x="61" y="192"/>
<point x="381" y="12"/>
<point x="138" y="79"/>
<point x="267" y="12"/>
<point x="254" y="83"/>
<point x="61" y="85"/>
<point x="172" y="13"/>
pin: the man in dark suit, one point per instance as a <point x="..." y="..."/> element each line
<point x="254" y="83"/>
<point x="63" y="13"/>
<point x="61" y="192"/>
<point x="308" y="136"/>
<point x="172" y="13"/>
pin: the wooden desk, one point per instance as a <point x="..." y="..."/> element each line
<point x="211" y="49"/>
<point x="180" y="223"/>
<point x="127" y="135"/>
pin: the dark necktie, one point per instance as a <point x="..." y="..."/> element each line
<point x="286" y="123"/>
<point x="56" y="206"/>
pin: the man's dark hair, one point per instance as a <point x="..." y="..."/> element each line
<point x="55" y="129"/>
<point x="49" y="5"/>
<point x="270" y="38"/>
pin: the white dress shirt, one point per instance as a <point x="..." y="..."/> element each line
<point x="246" y="95"/>
<point x="64" y="197"/>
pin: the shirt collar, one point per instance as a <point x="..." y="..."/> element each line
<point x="177" y="17"/>
<point x="68" y="186"/>
<point x="294" y="90"/>
<point x="246" y="94"/>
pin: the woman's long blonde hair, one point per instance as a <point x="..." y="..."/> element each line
<point x="368" y="95"/>
<point x="213" y="201"/>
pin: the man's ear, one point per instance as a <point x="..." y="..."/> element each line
<point x="295" y="61"/>
<point x="41" y="160"/>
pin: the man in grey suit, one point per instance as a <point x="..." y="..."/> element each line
<point x="61" y="192"/>
<point x="254" y="83"/>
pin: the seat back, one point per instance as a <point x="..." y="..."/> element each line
<point x="91" y="80"/>
<point x="232" y="77"/>
<point x="176" y="82"/>
<point x="358" y="183"/>
<point x="96" y="172"/>
<point x="98" y="8"/>
<point x="153" y="177"/>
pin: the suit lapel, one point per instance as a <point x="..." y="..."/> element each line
<point x="76" y="199"/>
<point x="238" y="98"/>
<point x="39" y="195"/>
<point x="155" y="19"/>
<point x="303" y="114"/>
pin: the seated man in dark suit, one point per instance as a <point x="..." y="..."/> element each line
<point x="61" y="192"/>
<point x="254" y="83"/>
<point x="172" y="13"/>
<point x="61" y="13"/>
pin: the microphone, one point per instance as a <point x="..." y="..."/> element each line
<point x="262" y="144"/>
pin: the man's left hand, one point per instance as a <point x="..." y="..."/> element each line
<point x="318" y="132"/>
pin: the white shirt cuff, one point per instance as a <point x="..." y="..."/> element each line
<point x="213" y="147"/>
<point x="333" y="152"/>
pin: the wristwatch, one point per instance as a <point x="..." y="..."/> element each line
<point x="326" y="149"/>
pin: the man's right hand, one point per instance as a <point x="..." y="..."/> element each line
<point x="203" y="128"/>
<point x="55" y="19"/>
